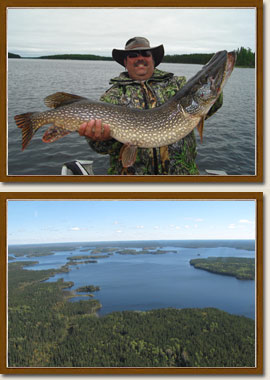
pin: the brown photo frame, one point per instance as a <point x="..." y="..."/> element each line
<point x="258" y="177"/>
<point x="172" y="196"/>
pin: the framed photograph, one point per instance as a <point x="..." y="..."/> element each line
<point x="131" y="283"/>
<point x="193" y="67"/>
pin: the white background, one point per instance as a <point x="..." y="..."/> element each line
<point x="182" y="187"/>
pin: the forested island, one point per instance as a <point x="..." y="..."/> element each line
<point x="88" y="289"/>
<point x="144" y="251"/>
<point x="107" y="252"/>
<point x="94" y="251"/>
<point x="245" y="57"/>
<point x="85" y="259"/>
<point x="84" y="57"/>
<point x="46" y="330"/>
<point x="239" y="267"/>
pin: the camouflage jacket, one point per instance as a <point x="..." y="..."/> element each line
<point x="177" y="158"/>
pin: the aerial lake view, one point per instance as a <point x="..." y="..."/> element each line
<point x="78" y="304"/>
<point x="147" y="275"/>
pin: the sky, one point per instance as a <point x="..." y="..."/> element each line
<point x="43" y="221"/>
<point x="33" y="32"/>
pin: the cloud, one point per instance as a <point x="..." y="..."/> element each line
<point x="37" y="31"/>
<point x="140" y="227"/>
<point x="245" y="221"/>
<point x="75" y="229"/>
<point x="240" y="224"/>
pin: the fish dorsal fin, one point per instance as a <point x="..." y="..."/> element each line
<point x="200" y="128"/>
<point x="61" y="99"/>
<point x="128" y="155"/>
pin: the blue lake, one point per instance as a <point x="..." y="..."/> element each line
<point x="147" y="281"/>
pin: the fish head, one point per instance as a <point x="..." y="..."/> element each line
<point x="206" y="86"/>
<point x="214" y="77"/>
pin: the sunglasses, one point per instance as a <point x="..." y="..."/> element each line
<point x="143" y="53"/>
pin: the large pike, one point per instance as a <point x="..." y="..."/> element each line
<point x="134" y="128"/>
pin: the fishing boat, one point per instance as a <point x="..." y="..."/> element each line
<point x="85" y="167"/>
<point x="78" y="167"/>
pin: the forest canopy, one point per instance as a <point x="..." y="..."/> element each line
<point x="12" y="55"/>
<point x="46" y="330"/>
<point x="240" y="267"/>
<point x="245" y="58"/>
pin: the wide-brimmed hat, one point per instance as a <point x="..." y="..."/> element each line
<point x="138" y="43"/>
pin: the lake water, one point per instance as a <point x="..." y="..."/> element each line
<point x="229" y="136"/>
<point x="147" y="281"/>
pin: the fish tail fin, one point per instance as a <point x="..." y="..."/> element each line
<point x="25" y="122"/>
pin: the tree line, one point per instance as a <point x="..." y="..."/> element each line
<point x="245" y="57"/>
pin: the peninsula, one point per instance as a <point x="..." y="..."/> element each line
<point x="240" y="267"/>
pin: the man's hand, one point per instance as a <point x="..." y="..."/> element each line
<point x="95" y="130"/>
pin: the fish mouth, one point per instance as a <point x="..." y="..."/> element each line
<point x="210" y="80"/>
<point x="231" y="60"/>
<point x="219" y="69"/>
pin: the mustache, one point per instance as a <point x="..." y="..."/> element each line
<point x="140" y="62"/>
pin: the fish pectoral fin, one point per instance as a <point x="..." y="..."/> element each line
<point x="61" y="99"/>
<point x="54" y="133"/>
<point x="200" y="128"/>
<point x="128" y="155"/>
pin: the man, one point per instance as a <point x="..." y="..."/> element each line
<point x="143" y="86"/>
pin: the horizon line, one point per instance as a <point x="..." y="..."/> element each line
<point x="126" y="241"/>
